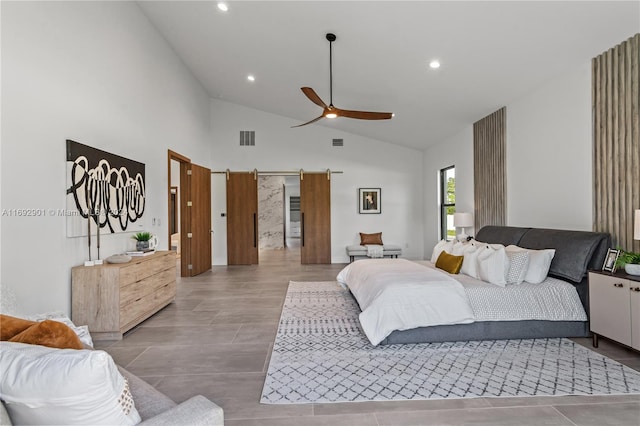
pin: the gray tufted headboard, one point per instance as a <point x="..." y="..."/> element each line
<point x="576" y="251"/>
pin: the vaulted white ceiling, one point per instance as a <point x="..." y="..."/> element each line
<point x="492" y="53"/>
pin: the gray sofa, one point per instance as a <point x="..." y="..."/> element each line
<point x="156" y="409"/>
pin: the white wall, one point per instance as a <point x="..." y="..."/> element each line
<point x="456" y="151"/>
<point x="1" y="163"/>
<point x="97" y="73"/>
<point x="549" y="157"/>
<point x="365" y="163"/>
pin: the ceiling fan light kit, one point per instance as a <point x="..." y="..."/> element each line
<point x="330" y="111"/>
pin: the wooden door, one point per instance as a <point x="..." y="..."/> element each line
<point x="200" y="210"/>
<point x="242" y="218"/>
<point x="315" y="221"/>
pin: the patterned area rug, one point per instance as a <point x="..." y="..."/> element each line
<point x="321" y="355"/>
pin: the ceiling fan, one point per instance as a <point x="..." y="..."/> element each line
<point x="330" y="111"/>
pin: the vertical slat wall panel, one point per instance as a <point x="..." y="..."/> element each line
<point x="489" y="169"/>
<point x="616" y="141"/>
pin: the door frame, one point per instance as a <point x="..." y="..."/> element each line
<point x="185" y="256"/>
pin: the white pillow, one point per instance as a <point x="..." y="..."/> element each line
<point x="518" y="266"/>
<point x="442" y="245"/>
<point x="539" y="263"/>
<point x="469" y="266"/>
<point x="42" y="385"/>
<point x="458" y="248"/>
<point x="492" y="265"/>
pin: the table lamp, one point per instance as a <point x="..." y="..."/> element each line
<point x="462" y="220"/>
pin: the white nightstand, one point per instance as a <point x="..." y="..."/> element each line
<point x="614" y="307"/>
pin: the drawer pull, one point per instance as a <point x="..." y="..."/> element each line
<point x="620" y="285"/>
<point x="635" y="289"/>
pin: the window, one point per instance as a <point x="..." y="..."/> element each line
<point x="447" y="202"/>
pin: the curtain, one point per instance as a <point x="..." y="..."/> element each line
<point x="489" y="170"/>
<point x="616" y="142"/>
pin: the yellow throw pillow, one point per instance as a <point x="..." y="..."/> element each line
<point x="449" y="262"/>
<point x="10" y="326"/>
<point x="370" y="239"/>
<point x="49" y="333"/>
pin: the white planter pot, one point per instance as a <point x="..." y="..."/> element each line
<point x="632" y="268"/>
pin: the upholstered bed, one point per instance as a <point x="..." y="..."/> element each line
<point x="575" y="253"/>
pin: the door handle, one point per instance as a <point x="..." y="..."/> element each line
<point x="255" y="231"/>
<point x="302" y="228"/>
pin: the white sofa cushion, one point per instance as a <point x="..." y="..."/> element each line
<point x="42" y="385"/>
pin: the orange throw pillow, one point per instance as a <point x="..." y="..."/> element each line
<point x="370" y="239"/>
<point x="10" y="326"/>
<point x="449" y="263"/>
<point x="49" y="333"/>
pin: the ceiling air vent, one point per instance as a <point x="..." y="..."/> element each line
<point x="247" y="138"/>
<point x="338" y="142"/>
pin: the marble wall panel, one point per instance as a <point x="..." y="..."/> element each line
<point x="271" y="212"/>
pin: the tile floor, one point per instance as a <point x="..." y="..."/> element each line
<point x="216" y="339"/>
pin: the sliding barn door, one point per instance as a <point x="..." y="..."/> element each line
<point x="315" y="212"/>
<point x="242" y="218"/>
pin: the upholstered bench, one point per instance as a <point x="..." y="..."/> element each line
<point x="387" y="250"/>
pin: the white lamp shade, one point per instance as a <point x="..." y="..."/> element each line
<point x="462" y="220"/>
<point x="636" y="226"/>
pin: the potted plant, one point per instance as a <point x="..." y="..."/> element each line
<point x="142" y="240"/>
<point x="630" y="261"/>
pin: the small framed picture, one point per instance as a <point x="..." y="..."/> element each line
<point x="369" y="201"/>
<point x="610" y="261"/>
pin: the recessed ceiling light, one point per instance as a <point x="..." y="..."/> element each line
<point x="223" y="6"/>
<point x="434" y="64"/>
<point x="251" y="78"/>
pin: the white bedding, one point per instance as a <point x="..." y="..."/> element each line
<point x="551" y="300"/>
<point x="397" y="294"/>
<point x="390" y="300"/>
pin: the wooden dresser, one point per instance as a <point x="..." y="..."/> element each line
<point x="113" y="298"/>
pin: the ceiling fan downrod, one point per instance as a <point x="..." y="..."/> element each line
<point x="331" y="37"/>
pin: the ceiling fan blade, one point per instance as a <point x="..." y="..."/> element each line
<point x="364" y="115"/>
<point x="313" y="96"/>
<point x="309" y="122"/>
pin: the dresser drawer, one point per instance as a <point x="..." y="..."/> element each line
<point x="136" y="290"/>
<point x="141" y="268"/>
<point x="145" y="306"/>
